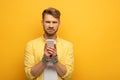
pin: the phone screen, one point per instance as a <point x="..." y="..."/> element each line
<point x="50" y="42"/>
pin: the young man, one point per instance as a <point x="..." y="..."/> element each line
<point x="46" y="62"/>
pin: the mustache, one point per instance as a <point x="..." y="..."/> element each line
<point x="50" y="28"/>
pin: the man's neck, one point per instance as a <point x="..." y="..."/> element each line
<point x="49" y="37"/>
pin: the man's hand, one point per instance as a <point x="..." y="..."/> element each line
<point x="50" y="52"/>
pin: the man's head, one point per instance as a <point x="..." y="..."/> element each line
<point x="51" y="11"/>
<point x="51" y="21"/>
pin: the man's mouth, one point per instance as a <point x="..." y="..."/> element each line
<point x="50" y="29"/>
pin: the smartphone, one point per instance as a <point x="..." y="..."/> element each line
<point x="50" y="42"/>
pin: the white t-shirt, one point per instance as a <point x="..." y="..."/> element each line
<point x="50" y="72"/>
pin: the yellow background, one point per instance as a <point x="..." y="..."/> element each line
<point x="93" y="26"/>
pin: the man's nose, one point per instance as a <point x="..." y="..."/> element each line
<point x="51" y="24"/>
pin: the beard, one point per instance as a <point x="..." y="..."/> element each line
<point x="50" y="33"/>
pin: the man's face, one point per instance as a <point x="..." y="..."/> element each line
<point x="50" y="24"/>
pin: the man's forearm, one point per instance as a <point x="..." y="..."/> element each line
<point x="61" y="69"/>
<point x="38" y="68"/>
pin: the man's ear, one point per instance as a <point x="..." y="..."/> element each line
<point x="42" y="22"/>
<point x="59" y="22"/>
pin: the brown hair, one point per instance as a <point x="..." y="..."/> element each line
<point x="52" y="11"/>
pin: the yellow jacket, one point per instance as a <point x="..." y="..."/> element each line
<point x="34" y="52"/>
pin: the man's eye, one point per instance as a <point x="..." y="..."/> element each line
<point x="54" y="22"/>
<point x="47" y="21"/>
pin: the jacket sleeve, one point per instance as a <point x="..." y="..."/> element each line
<point x="69" y="62"/>
<point x="29" y="60"/>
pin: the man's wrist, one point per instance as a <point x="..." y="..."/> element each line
<point x="55" y="59"/>
<point x="51" y="60"/>
<point x="44" y="59"/>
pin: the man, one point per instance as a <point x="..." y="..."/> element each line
<point x="44" y="62"/>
